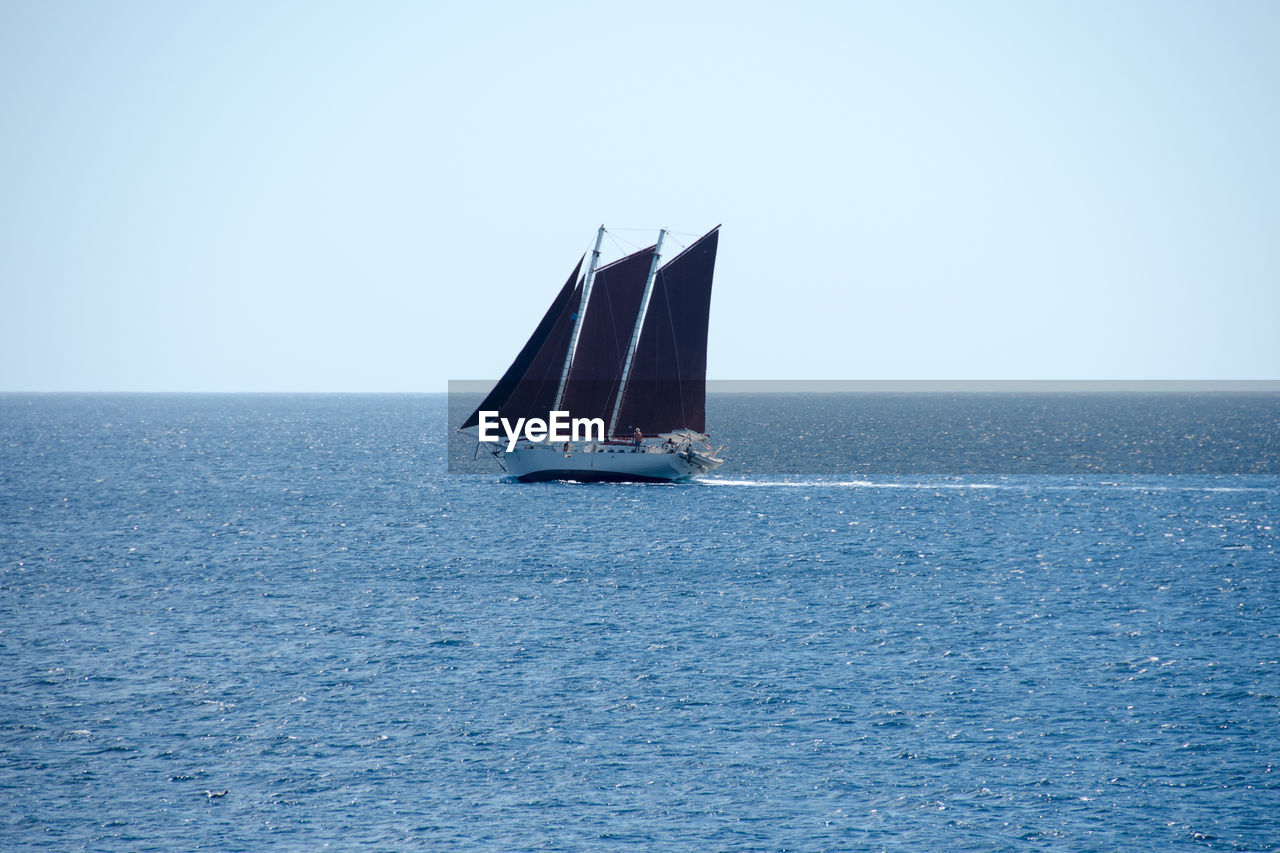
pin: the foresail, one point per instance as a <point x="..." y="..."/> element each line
<point x="667" y="389"/>
<point x="522" y="390"/>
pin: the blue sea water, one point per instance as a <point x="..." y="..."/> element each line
<point x="288" y="599"/>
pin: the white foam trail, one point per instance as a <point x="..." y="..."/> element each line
<point x="849" y="484"/>
<point x="1010" y="486"/>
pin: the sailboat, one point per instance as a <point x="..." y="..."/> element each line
<point x="623" y="348"/>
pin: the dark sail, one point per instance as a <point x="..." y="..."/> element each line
<point x="667" y="389"/>
<point x="606" y="332"/>
<point x="522" y="390"/>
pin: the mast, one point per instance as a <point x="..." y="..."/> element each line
<point x="577" y="323"/>
<point x="635" y="335"/>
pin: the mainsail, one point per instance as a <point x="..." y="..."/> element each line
<point x="664" y="388"/>
<point x="667" y="389"/>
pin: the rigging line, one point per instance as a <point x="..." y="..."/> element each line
<point x="617" y="246"/>
<point x="586" y="253"/>
<point x="671" y="321"/>
<point x="617" y="243"/>
<point x="682" y="246"/>
<point x="651" y="229"/>
<point x="625" y="246"/>
<point x="635" y="247"/>
<point x="686" y="233"/>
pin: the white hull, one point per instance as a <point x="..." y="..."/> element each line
<point x="531" y="463"/>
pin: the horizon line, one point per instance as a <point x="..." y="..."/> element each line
<point x="812" y="386"/>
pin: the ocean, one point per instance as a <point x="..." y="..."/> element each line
<point x="889" y="622"/>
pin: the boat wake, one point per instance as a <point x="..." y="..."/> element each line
<point x="844" y="484"/>
<point x="1021" y="486"/>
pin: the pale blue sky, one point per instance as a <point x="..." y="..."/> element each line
<point x="381" y="197"/>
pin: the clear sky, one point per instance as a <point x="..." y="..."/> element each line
<point x="273" y="196"/>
